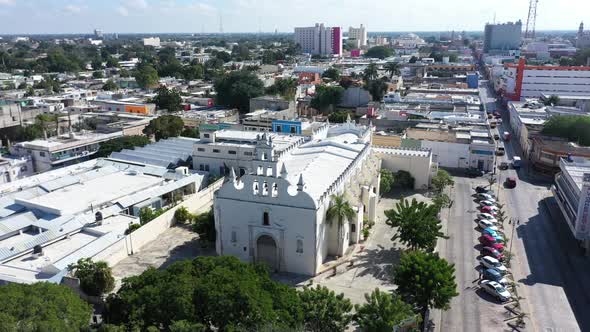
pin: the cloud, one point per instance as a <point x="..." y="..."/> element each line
<point x="136" y="4"/>
<point x="7" y="2"/>
<point x="203" y="8"/>
<point x="122" y="11"/>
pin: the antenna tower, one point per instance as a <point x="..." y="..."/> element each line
<point x="531" y="20"/>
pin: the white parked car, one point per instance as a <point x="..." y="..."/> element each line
<point x="496" y="290"/>
<point x="492" y="263"/>
<point x="485" y="216"/>
<point x="486" y="197"/>
<point x="487" y="203"/>
<point x="483" y="224"/>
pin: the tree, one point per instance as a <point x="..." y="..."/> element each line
<point x="387" y="181"/>
<point x="194" y="72"/>
<point x="190" y="132"/>
<point x="379" y="52"/>
<point x="425" y="280"/>
<point x="377" y="89"/>
<point x="237" y="88"/>
<point x="441" y="180"/>
<point x="45" y="121"/>
<point x="98" y="74"/>
<point x="204" y="225"/>
<point x="286" y="88"/>
<point x="338" y="117"/>
<point x="574" y="128"/>
<point x="110" y="85"/>
<point x="30" y="91"/>
<point x="441" y="201"/>
<point x="117" y="144"/>
<point x="581" y="58"/>
<point x="392" y="68"/>
<point x="324" y="311"/>
<point x="382" y="312"/>
<point x="326" y="97"/>
<point x="42" y="307"/>
<point x="332" y="73"/>
<point x="417" y="224"/>
<point x="112" y="62"/>
<point x="96" y="278"/>
<point x="182" y="215"/>
<point x="403" y="179"/>
<point x="413" y="59"/>
<point x="168" y="99"/>
<point x="164" y="126"/>
<point x="370" y="73"/>
<point x="340" y="210"/>
<point x="146" y="76"/>
<point x="96" y="64"/>
<point x="551" y="100"/>
<point x="221" y="293"/>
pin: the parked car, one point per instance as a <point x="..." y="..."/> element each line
<point x="487" y="203"/>
<point x="481" y="189"/>
<point x="511" y="182"/>
<point x="486" y="197"/>
<point x="493" y="275"/>
<point x="489" y="241"/>
<point x="493" y="233"/>
<point x="493" y="210"/>
<point x="483" y="223"/>
<point x="496" y="290"/>
<point x="485" y="216"/>
<point x="489" y="251"/>
<point x="492" y="263"/>
<point x="503" y="165"/>
<point x="516" y="162"/>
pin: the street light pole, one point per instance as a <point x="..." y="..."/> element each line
<point x="512" y="233"/>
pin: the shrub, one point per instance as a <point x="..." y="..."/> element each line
<point x="96" y="278"/>
<point x="182" y="215"/>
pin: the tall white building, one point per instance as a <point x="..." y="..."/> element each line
<point x="320" y="40"/>
<point x="276" y="214"/>
<point x="359" y="34"/>
<point x="152" y="41"/>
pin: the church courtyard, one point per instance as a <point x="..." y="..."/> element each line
<point x="373" y="259"/>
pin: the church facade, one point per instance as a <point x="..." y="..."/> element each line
<point x="276" y="213"/>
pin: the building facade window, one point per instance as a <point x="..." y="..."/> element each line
<point x="231" y="152"/>
<point x="299" y="246"/>
<point x="234" y="237"/>
<point x="247" y="153"/>
<point x="201" y="149"/>
<point x="265" y="219"/>
<point x="352" y="228"/>
<point x="216" y="151"/>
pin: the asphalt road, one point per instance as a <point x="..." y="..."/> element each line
<point x="552" y="274"/>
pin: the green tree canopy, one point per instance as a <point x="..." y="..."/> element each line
<point x="237" y="88"/>
<point x="382" y="312"/>
<point x="574" y="128"/>
<point x="377" y="88"/>
<point x="338" y="117"/>
<point x="96" y="278"/>
<point x="370" y="73"/>
<point x="339" y="211"/>
<point x="164" y="126"/>
<point x="168" y="99"/>
<point x="441" y="180"/>
<point x="326" y="97"/>
<point x="42" y="307"/>
<point x="387" y="181"/>
<point x="392" y="68"/>
<point x="117" y="144"/>
<point x="425" y="280"/>
<point x="417" y="224"/>
<point x="110" y="85"/>
<point x="286" y="88"/>
<point x="217" y="292"/>
<point x="324" y="311"/>
<point x="146" y="76"/>
<point x="379" y="52"/>
<point x="332" y="73"/>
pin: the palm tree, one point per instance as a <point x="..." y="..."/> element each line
<point x="370" y="73"/>
<point x="340" y="210"/>
<point x="392" y="68"/>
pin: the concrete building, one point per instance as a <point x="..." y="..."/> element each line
<point x="583" y="37"/>
<point x="320" y="40"/>
<point x="61" y="151"/>
<point x="359" y="34"/>
<point x="272" y="103"/>
<point x="10" y="115"/>
<point x="521" y="81"/>
<point x="152" y="41"/>
<point x="572" y="193"/>
<point x="546" y="153"/>
<point x="125" y="106"/>
<point x="276" y="213"/>
<point x="408" y="41"/>
<point x="461" y="147"/>
<point x="502" y="37"/>
<point x="52" y="220"/>
<point x="417" y="161"/>
<point x="13" y="168"/>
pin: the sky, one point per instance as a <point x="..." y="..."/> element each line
<point x="196" y="16"/>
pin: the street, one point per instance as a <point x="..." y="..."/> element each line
<point x="548" y="266"/>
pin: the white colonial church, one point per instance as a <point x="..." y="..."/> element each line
<point x="276" y="212"/>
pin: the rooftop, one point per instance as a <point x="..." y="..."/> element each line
<point x="68" y="141"/>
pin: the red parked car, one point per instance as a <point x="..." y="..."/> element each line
<point x="489" y="241"/>
<point x="489" y="251"/>
<point x="489" y="210"/>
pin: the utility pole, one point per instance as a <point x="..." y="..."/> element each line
<point x="511" y="221"/>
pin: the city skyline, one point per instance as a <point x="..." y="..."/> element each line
<point x="207" y="16"/>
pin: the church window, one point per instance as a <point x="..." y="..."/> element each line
<point x="265" y="219"/>
<point x="299" y="246"/>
